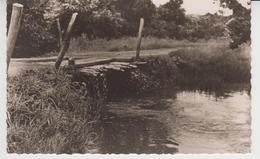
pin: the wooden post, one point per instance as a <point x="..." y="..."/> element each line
<point x="139" y="39"/>
<point x="13" y="31"/>
<point x="65" y="41"/>
<point x="59" y="31"/>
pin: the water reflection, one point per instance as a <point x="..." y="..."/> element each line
<point x="136" y="135"/>
<point x="177" y="120"/>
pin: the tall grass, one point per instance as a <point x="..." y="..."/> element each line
<point x="216" y="63"/>
<point x="83" y="44"/>
<point x="49" y="113"/>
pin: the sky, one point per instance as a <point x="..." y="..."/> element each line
<point x="201" y="6"/>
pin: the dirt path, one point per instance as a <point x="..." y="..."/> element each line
<point x="22" y="64"/>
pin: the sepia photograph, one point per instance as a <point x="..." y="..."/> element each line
<point x="128" y="77"/>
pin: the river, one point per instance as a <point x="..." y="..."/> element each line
<point x="179" y="121"/>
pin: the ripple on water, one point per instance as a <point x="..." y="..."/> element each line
<point x="178" y="122"/>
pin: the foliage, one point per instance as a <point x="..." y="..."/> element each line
<point x="238" y="27"/>
<point x="172" y="12"/>
<point x="168" y="21"/>
<point x="96" y="18"/>
<point x="39" y="34"/>
<point x="132" y="11"/>
<point x="111" y="19"/>
<point x="204" y="27"/>
<point x="238" y="30"/>
<point x="34" y="36"/>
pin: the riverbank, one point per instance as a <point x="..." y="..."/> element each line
<point x="57" y="112"/>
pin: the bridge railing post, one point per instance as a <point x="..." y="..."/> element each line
<point x="59" y="32"/>
<point x="139" y="39"/>
<point x="66" y="41"/>
<point x="13" y="31"/>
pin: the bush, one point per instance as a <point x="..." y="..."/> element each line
<point x="239" y="31"/>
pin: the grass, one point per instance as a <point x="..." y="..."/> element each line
<point x="49" y="113"/>
<point x="214" y="63"/>
<point x="83" y="44"/>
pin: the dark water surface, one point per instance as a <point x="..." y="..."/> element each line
<point x="179" y="121"/>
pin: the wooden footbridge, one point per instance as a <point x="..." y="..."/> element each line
<point x="18" y="65"/>
<point x="110" y="60"/>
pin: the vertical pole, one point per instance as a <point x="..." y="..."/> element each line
<point x="139" y="39"/>
<point x="66" y="41"/>
<point x="13" y="31"/>
<point x="60" y="32"/>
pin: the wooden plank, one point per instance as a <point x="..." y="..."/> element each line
<point x="66" y="41"/>
<point x="139" y="39"/>
<point x="13" y="31"/>
<point x="102" y="62"/>
<point x="33" y="60"/>
<point x="94" y="62"/>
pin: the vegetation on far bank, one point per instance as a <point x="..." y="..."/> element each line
<point x="115" y="19"/>
<point x="82" y="44"/>
<point x="211" y="65"/>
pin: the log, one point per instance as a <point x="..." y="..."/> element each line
<point x="13" y="31"/>
<point x="139" y="39"/>
<point x="66" y="41"/>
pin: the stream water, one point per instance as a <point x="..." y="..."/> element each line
<point x="179" y="121"/>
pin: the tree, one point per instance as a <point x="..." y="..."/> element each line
<point x="34" y="37"/>
<point x="38" y="33"/>
<point x="96" y="18"/>
<point x="131" y="11"/>
<point x="238" y="26"/>
<point x="205" y="26"/>
<point x="172" y="12"/>
<point x="168" y="21"/>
